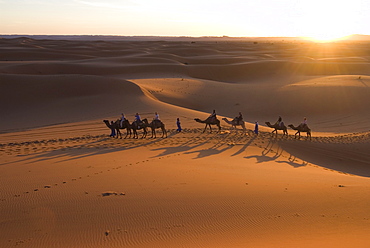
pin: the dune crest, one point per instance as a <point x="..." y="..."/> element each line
<point x="65" y="182"/>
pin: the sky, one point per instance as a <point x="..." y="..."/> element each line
<point x="321" y="19"/>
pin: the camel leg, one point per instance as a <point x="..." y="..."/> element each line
<point x="128" y="131"/>
<point x="118" y="133"/>
<point x="144" y="133"/>
<point x="274" y="131"/>
<point x="164" y="132"/>
<point x="205" y="128"/>
<point x="243" y="126"/>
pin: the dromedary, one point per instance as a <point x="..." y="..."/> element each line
<point x="235" y="123"/>
<point x="277" y="127"/>
<point x="154" y="125"/>
<point x="117" y="126"/>
<point x="137" y="126"/>
<point x="210" y="121"/>
<point x="299" y="129"/>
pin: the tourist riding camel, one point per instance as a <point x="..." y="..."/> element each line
<point x="278" y="126"/>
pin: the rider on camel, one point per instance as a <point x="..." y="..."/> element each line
<point x="279" y="122"/>
<point x="213" y="116"/>
<point x="123" y="118"/>
<point x="138" y="120"/>
<point x="239" y="118"/>
<point x="304" y="123"/>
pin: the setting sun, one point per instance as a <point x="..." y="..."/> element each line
<point x="325" y="21"/>
<point x="324" y="38"/>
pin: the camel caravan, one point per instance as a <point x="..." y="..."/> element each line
<point x="212" y="120"/>
<point x="238" y="121"/>
<point x="137" y="124"/>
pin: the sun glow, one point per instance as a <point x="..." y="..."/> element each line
<point x="327" y="21"/>
<point x="325" y="38"/>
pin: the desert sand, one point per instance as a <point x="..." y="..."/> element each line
<point x="65" y="183"/>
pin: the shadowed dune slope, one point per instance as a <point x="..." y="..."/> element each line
<point x="31" y="101"/>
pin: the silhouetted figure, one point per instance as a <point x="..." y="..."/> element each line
<point x="113" y="130"/>
<point x="178" y="123"/>
<point x="256" y="128"/>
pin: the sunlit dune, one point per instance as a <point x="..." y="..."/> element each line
<point x="68" y="180"/>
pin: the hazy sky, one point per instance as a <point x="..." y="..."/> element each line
<point x="317" y="18"/>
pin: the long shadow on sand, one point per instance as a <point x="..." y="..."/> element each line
<point x="226" y="142"/>
<point x="183" y="147"/>
<point x="274" y="152"/>
<point x="351" y="158"/>
<point x="97" y="146"/>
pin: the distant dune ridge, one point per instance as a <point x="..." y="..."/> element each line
<point x="261" y="79"/>
<point x="66" y="183"/>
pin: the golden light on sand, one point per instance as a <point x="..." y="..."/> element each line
<point x="325" y="38"/>
<point x="322" y="38"/>
<point x="65" y="182"/>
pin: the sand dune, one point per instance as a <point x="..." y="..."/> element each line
<point x="66" y="183"/>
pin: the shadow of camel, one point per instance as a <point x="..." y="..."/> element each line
<point x="274" y="152"/>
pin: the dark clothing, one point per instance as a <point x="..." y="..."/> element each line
<point x="256" y="128"/>
<point x="179" y="129"/>
<point x="239" y="119"/>
<point x="279" y="121"/>
<point x="113" y="130"/>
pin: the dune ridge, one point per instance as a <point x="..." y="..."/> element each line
<point x="66" y="183"/>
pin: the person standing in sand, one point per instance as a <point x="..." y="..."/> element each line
<point x="178" y="123"/>
<point x="113" y="130"/>
<point x="256" y="128"/>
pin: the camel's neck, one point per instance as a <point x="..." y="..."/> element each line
<point x="227" y="121"/>
<point x="107" y="123"/>
<point x="200" y="121"/>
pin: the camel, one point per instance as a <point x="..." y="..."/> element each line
<point x="117" y="126"/>
<point x="278" y="127"/>
<point x="235" y="123"/>
<point x="154" y="125"/>
<point x="210" y="121"/>
<point x="136" y="127"/>
<point x="299" y="129"/>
